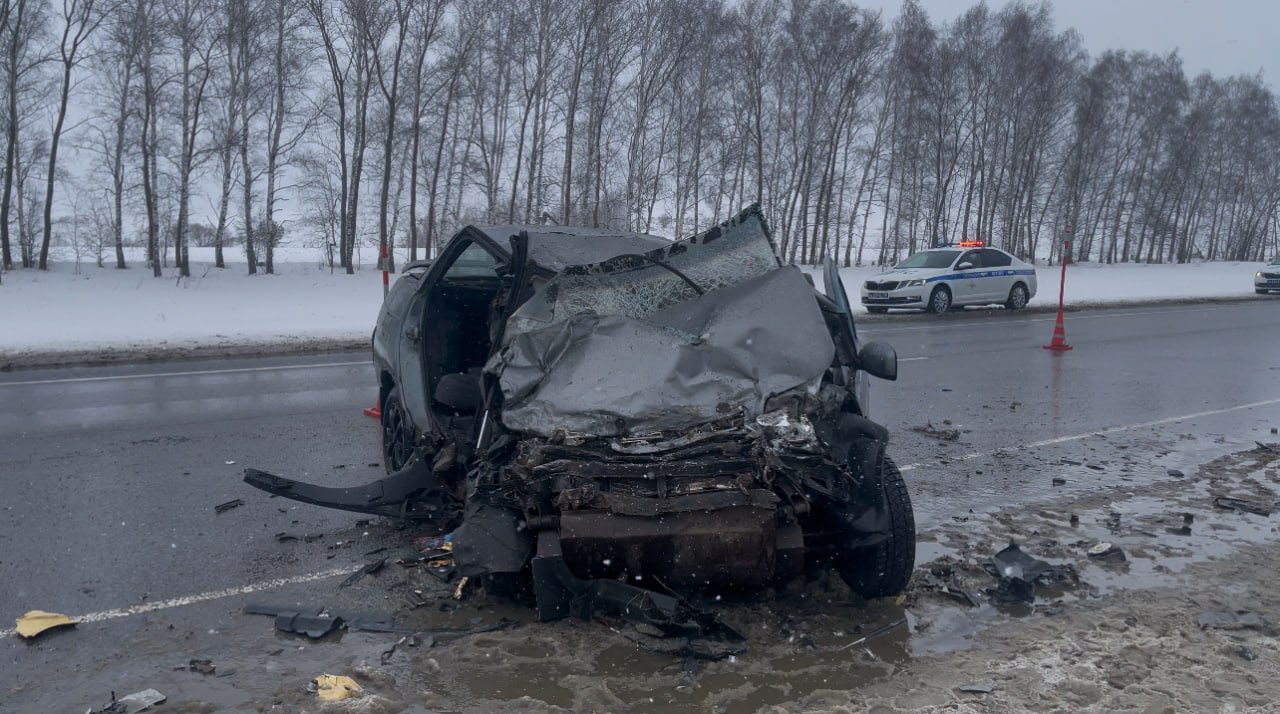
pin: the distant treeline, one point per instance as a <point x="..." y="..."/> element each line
<point x="341" y="121"/>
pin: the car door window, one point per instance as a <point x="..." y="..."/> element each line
<point x="992" y="258"/>
<point x="974" y="257"/>
<point x="474" y="263"/>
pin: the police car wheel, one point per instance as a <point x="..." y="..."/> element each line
<point x="877" y="310"/>
<point x="1017" y="297"/>
<point x="940" y="300"/>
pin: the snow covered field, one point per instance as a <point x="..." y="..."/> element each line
<point x="109" y="310"/>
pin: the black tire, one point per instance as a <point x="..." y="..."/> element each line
<point x="1260" y="291"/>
<point x="1018" y="297"/>
<point x="397" y="432"/>
<point x="939" y="300"/>
<point x="877" y="310"/>
<point x="883" y="570"/>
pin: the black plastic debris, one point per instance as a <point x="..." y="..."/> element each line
<point x="202" y="666"/>
<point x="1183" y="530"/>
<point x="1245" y="653"/>
<point x="1107" y="553"/>
<point x="1230" y="503"/>
<point x="224" y="507"/>
<point x="313" y="626"/>
<point x="1176" y="473"/>
<point x="368" y="569"/>
<point x="1018" y="574"/>
<point x="1059" y="482"/>
<point x="1239" y="620"/>
<point x="316" y="622"/>
<point x="406" y="641"/>
<point x="984" y="687"/>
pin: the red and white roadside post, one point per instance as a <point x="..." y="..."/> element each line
<point x="1059" y="341"/>
<point x="384" y="264"/>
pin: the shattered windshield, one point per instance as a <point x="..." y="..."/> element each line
<point x="930" y="259"/>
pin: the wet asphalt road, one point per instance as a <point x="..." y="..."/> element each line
<point x="110" y="475"/>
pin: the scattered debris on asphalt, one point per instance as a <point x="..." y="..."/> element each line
<point x="368" y="569"/>
<point x="203" y="666"/>
<point x="689" y="672"/>
<point x="937" y="432"/>
<point x="136" y="702"/>
<point x="285" y="537"/>
<point x="224" y="507"/>
<point x="1018" y="574"/>
<point x="1176" y="473"/>
<point x="1231" y="503"/>
<point x="407" y="641"/>
<point x="37" y="622"/>
<point x="878" y="632"/>
<point x="336" y="687"/>
<point x="313" y="626"/>
<point x="1059" y="482"/>
<point x="984" y="687"/>
<point x="1106" y="552"/>
<point x="1239" y="620"/>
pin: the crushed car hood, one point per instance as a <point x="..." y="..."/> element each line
<point x="629" y="347"/>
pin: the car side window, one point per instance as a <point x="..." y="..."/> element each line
<point x="992" y="258"/>
<point x="973" y="256"/>
<point x="473" y="263"/>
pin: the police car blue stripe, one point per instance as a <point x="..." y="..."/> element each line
<point x="980" y="274"/>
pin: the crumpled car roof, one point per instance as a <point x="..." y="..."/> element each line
<point x="629" y="347"/>
<point x="555" y="247"/>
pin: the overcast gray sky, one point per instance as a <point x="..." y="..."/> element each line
<point x="1225" y="37"/>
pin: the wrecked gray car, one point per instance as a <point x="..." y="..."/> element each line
<point x="616" y="418"/>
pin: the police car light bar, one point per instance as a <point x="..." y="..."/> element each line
<point x="970" y="244"/>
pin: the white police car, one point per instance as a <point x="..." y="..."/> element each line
<point x="1268" y="279"/>
<point x="939" y="279"/>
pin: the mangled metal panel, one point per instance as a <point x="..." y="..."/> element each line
<point x="631" y="346"/>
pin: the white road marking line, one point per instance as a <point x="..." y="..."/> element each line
<point x="911" y="359"/>
<point x="1100" y="432"/>
<point x="1087" y="315"/>
<point x="193" y="373"/>
<point x="202" y="597"/>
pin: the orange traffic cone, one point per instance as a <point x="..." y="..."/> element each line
<point x="1059" y="341"/>
<point x="374" y="411"/>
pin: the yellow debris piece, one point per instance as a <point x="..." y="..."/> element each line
<point x="37" y="621"/>
<point x="335" y="688"/>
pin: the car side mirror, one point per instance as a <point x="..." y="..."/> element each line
<point x="964" y="266"/>
<point x="879" y="360"/>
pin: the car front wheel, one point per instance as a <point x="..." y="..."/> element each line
<point x="883" y="569"/>
<point x="397" y="432"/>
<point x="940" y="300"/>
<point x="1017" y="297"/>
